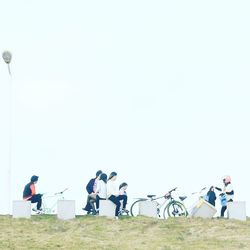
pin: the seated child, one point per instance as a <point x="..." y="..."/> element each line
<point x="123" y="196"/>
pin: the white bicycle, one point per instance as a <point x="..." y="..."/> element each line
<point x="49" y="203"/>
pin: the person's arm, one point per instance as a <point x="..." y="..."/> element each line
<point x="98" y="187"/>
<point x="33" y="189"/>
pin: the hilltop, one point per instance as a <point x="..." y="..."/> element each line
<point x="86" y="232"/>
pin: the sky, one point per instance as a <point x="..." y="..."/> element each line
<point x="157" y="91"/>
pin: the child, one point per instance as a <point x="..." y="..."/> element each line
<point x="101" y="190"/>
<point x="228" y="192"/>
<point x="29" y="193"/>
<point x="123" y="196"/>
<point x="211" y="197"/>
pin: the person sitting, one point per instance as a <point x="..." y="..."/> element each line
<point x="91" y="189"/>
<point x="211" y="196"/>
<point x="227" y="194"/>
<point x="113" y="192"/>
<point x="29" y="193"/>
<point x="123" y="196"/>
<point x="101" y="190"/>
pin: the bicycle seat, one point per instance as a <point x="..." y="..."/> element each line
<point x="151" y="195"/>
<point x="182" y="198"/>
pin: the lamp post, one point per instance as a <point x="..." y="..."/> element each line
<point x="7" y="56"/>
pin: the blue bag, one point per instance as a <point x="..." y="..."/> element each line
<point x="223" y="200"/>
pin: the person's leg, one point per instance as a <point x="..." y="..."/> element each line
<point x="87" y="207"/>
<point x="123" y="198"/>
<point x="116" y="201"/>
<point x="92" y="201"/>
<point x="223" y="209"/>
<point x="37" y="199"/>
<point x="97" y="202"/>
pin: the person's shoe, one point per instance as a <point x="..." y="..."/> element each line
<point x="116" y="217"/>
<point x="124" y="210"/>
<point x="84" y="209"/>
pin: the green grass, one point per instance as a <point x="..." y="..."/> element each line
<point x="86" y="232"/>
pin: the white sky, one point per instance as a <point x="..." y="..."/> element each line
<point x="155" y="90"/>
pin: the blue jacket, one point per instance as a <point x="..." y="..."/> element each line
<point x="90" y="186"/>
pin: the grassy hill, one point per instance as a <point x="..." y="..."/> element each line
<point x="86" y="232"/>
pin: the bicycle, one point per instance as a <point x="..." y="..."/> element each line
<point x="173" y="207"/>
<point x="50" y="202"/>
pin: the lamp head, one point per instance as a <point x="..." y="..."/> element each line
<point x="7" y="57"/>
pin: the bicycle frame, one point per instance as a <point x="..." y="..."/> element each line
<point x="50" y="202"/>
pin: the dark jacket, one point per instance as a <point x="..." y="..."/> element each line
<point x="29" y="190"/>
<point x="211" y="197"/>
<point x="90" y="186"/>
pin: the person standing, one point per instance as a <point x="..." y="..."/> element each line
<point x="211" y="196"/>
<point x="228" y="191"/>
<point x="29" y="193"/>
<point x="91" y="189"/>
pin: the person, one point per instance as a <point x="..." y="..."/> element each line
<point x="91" y="189"/>
<point x="113" y="192"/>
<point x="101" y="190"/>
<point x="123" y="196"/>
<point x="29" y="193"/>
<point x="211" y="196"/>
<point x="227" y="193"/>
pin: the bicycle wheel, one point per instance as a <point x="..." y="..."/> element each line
<point x="175" y="209"/>
<point x="134" y="209"/>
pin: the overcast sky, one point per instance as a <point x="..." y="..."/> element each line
<point x="155" y="90"/>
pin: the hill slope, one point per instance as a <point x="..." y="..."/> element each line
<point x="86" y="232"/>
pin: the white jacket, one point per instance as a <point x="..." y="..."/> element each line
<point x="112" y="189"/>
<point x="101" y="189"/>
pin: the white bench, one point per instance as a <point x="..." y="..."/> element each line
<point x="203" y="209"/>
<point x="237" y="210"/>
<point x="107" y="208"/>
<point x="66" y="209"/>
<point x="21" y="209"/>
<point x="148" y="208"/>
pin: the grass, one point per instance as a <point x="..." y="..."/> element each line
<point x="86" y="232"/>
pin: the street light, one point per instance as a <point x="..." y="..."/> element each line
<point x="7" y="56"/>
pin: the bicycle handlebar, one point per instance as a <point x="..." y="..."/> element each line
<point x="62" y="191"/>
<point x="169" y="193"/>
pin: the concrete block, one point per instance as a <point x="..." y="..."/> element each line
<point x="148" y="208"/>
<point x="237" y="210"/>
<point x="203" y="209"/>
<point x="21" y="209"/>
<point x="107" y="208"/>
<point x="66" y="209"/>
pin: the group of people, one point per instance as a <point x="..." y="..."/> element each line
<point x="102" y="187"/>
<point x="226" y="195"/>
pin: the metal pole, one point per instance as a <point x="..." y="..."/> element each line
<point x="7" y="58"/>
<point x="10" y="143"/>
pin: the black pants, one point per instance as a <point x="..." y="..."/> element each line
<point x="124" y="200"/>
<point x="98" y="201"/>
<point x="223" y="209"/>
<point x="37" y="198"/>
<point x="117" y="202"/>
